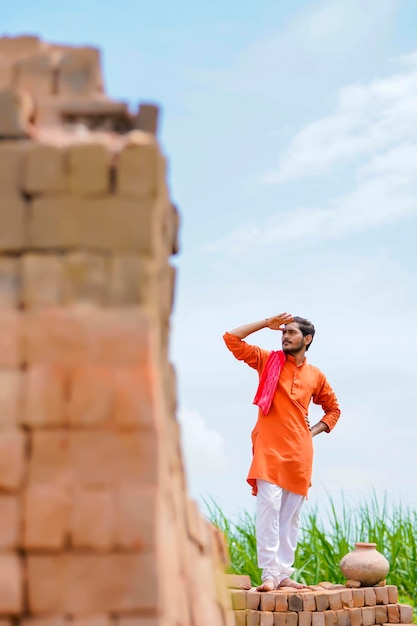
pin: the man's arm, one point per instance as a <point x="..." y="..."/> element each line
<point x="274" y="323"/>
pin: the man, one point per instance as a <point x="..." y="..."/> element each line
<point x="280" y="473"/>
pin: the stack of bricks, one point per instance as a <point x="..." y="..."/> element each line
<point x="96" y="527"/>
<point x="322" y="605"/>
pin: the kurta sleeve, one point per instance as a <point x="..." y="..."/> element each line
<point x="252" y="355"/>
<point x="326" y="398"/>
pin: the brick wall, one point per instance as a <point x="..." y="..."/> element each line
<point x="96" y="527"/>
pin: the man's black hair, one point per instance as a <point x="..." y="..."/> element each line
<point x="306" y="328"/>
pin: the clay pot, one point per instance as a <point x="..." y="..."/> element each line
<point x="364" y="564"/>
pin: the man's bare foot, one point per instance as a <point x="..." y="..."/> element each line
<point x="267" y="585"/>
<point x="288" y="582"/>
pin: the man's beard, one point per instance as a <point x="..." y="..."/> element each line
<point x="294" y="348"/>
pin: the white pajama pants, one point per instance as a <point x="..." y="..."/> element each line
<point x="277" y="524"/>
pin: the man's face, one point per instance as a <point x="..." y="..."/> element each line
<point x="293" y="339"/>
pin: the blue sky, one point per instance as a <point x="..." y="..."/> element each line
<point x="291" y="130"/>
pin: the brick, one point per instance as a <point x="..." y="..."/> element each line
<point x="79" y="72"/>
<point x="346" y="597"/>
<point x="133" y="280"/>
<point x="43" y="396"/>
<point x="355" y="617"/>
<point x="76" y="337"/>
<point x="239" y="619"/>
<point x="342" y="617"/>
<point x="267" y="602"/>
<point x="137" y="168"/>
<point x="322" y="601"/>
<point x="44" y="621"/>
<point x="304" y="618"/>
<point x="238" y="597"/>
<point x="266" y="618"/>
<point x="46" y="512"/>
<point x="50" y="458"/>
<point x="134" y="397"/>
<point x="91" y="395"/>
<point x="281" y="601"/>
<point x="12" y="162"/>
<point x="291" y="619"/>
<point x="330" y="618"/>
<point x="89" y="169"/>
<point x="253" y="599"/>
<point x="13" y="46"/>
<point x="381" y="614"/>
<point x="10" y="282"/>
<point x="11" y="341"/>
<point x="9" y="522"/>
<point x="381" y="595"/>
<point x="13" y="226"/>
<point x="393" y="613"/>
<point x="7" y="73"/>
<point x="392" y="594"/>
<point x="295" y="602"/>
<point x="335" y="601"/>
<point x="147" y="118"/>
<point x="252" y="617"/>
<point x="370" y="596"/>
<point x="11" y="584"/>
<point x="10" y="396"/>
<point x="279" y="619"/>
<point x="45" y="169"/>
<point x="86" y="278"/>
<point x="317" y="619"/>
<point x="12" y="459"/>
<point x="406" y="614"/>
<point x="16" y="109"/>
<point x="42" y="280"/>
<point x="309" y="601"/>
<point x="93" y="620"/>
<point x="156" y="621"/>
<point x="368" y="616"/>
<point x="93" y="520"/>
<point x="111" y="458"/>
<point x="136" y="511"/>
<point x="358" y="597"/>
<point x="35" y="74"/>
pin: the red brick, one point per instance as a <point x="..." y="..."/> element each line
<point x="393" y="613"/>
<point x="45" y="169"/>
<point x="253" y="600"/>
<point x="12" y="160"/>
<point x="9" y="522"/>
<point x="279" y="619"/>
<point x="47" y="583"/>
<point x="86" y="278"/>
<point x="317" y="619"/>
<point x="44" y="402"/>
<point x="44" y="621"/>
<point x="137" y="168"/>
<point x="370" y="596"/>
<point x="304" y="618"/>
<point x="406" y="613"/>
<point x="16" y="109"/>
<point x="330" y="618"/>
<point x="238" y="597"/>
<point x="381" y="614"/>
<point x="79" y="72"/>
<point x="35" y="74"/>
<point x="355" y="616"/>
<point x="267" y="602"/>
<point x="120" y="337"/>
<point x="136" y="512"/>
<point x="335" y="601"/>
<point x="9" y="282"/>
<point x="266" y="618"/>
<point x="42" y="280"/>
<point x="11" y="352"/>
<point x="368" y="616"/>
<point x="46" y="512"/>
<point x="392" y="594"/>
<point x="358" y="597"/>
<point x="133" y="280"/>
<point x="12" y="459"/>
<point x="322" y="601"/>
<point x="89" y="168"/>
<point x="10" y="396"/>
<point x="239" y="620"/>
<point x="156" y="621"/>
<point x="91" y="396"/>
<point x="11" y="585"/>
<point x="135" y="401"/>
<point x="342" y="617"/>
<point x="111" y="458"/>
<point x="92" y="620"/>
<point x="13" y="227"/>
<point x="252" y="617"/>
<point x="50" y="459"/>
<point x="381" y="595"/>
<point x="93" y="520"/>
<point x="309" y="601"/>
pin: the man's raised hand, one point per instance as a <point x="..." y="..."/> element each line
<point x="276" y="321"/>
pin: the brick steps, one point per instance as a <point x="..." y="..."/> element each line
<point x="320" y="606"/>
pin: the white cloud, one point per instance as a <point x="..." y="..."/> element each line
<point x="203" y="446"/>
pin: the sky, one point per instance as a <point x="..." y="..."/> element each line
<point x="291" y="133"/>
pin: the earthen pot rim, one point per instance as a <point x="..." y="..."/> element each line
<point x="365" y="544"/>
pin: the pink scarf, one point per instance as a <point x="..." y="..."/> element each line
<point x="269" y="380"/>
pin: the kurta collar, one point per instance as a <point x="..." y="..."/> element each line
<point x="291" y="359"/>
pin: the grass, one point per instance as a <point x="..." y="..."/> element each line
<point x="324" y="539"/>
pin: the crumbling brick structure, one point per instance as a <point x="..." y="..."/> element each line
<point x="96" y="527"/>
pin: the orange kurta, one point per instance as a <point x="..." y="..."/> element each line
<point x="281" y="441"/>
